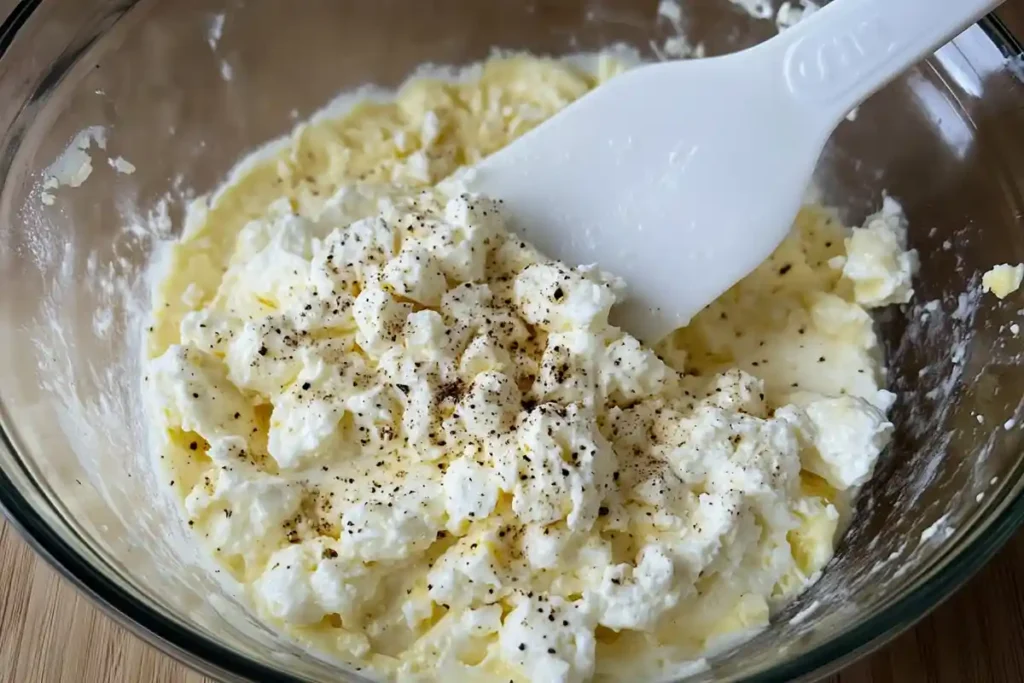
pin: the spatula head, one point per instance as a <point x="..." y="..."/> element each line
<point x="679" y="177"/>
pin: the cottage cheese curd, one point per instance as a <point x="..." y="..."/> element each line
<point x="1003" y="280"/>
<point x="421" y="447"/>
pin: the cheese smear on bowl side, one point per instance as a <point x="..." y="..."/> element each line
<point x="423" y="449"/>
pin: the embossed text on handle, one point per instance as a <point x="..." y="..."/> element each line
<point x="826" y="65"/>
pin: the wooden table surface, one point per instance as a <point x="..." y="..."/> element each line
<point x="49" y="633"/>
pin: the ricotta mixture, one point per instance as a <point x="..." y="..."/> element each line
<point x="421" y="449"/>
<point x="1003" y="280"/>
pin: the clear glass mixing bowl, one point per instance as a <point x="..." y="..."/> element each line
<point x="184" y="88"/>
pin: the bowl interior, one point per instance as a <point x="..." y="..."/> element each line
<point x="182" y="90"/>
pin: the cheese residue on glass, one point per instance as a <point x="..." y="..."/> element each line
<point x="423" y="449"/>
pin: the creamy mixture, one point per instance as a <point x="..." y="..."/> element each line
<point x="421" y="448"/>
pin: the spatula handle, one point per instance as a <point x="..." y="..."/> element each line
<point x="837" y="57"/>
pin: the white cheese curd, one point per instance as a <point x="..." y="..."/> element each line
<point x="877" y="260"/>
<point x="1003" y="280"/>
<point x="260" y="357"/>
<point x="194" y="394"/>
<point x="306" y="582"/>
<point x="285" y="588"/>
<point x="208" y="330"/>
<point x="307" y="415"/>
<point x="414" y="274"/>
<point x="243" y="509"/>
<point x="461" y="242"/>
<point x="469" y="572"/>
<point x="791" y="13"/>
<point x="570" y="368"/>
<point x="557" y="298"/>
<point x="426" y="338"/>
<point x="392" y="526"/>
<point x="484" y="354"/>
<point x="841" y="319"/>
<point x="456" y="648"/>
<point x="550" y="639"/>
<point x="470" y="492"/>
<point x="545" y="545"/>
<point x="635" y="597"/>
<point x="380" y="320"/>
<point x="422" y="447"/>
<point x="374" y="419"/>
<point x="271" y="270"/>
<point x="847" y="433"/>
<point x="632" y="372"/>
<point x="565" y="468"/>
<point x="352" y="254"/>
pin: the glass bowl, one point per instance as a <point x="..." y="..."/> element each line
<point x="183" y="89"/>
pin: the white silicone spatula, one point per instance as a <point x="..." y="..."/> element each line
<point x="682" y="177"/>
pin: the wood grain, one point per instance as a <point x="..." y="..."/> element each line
<point x="51" y="634"/>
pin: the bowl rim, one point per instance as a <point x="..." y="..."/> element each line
<point x="222" y="663"/>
